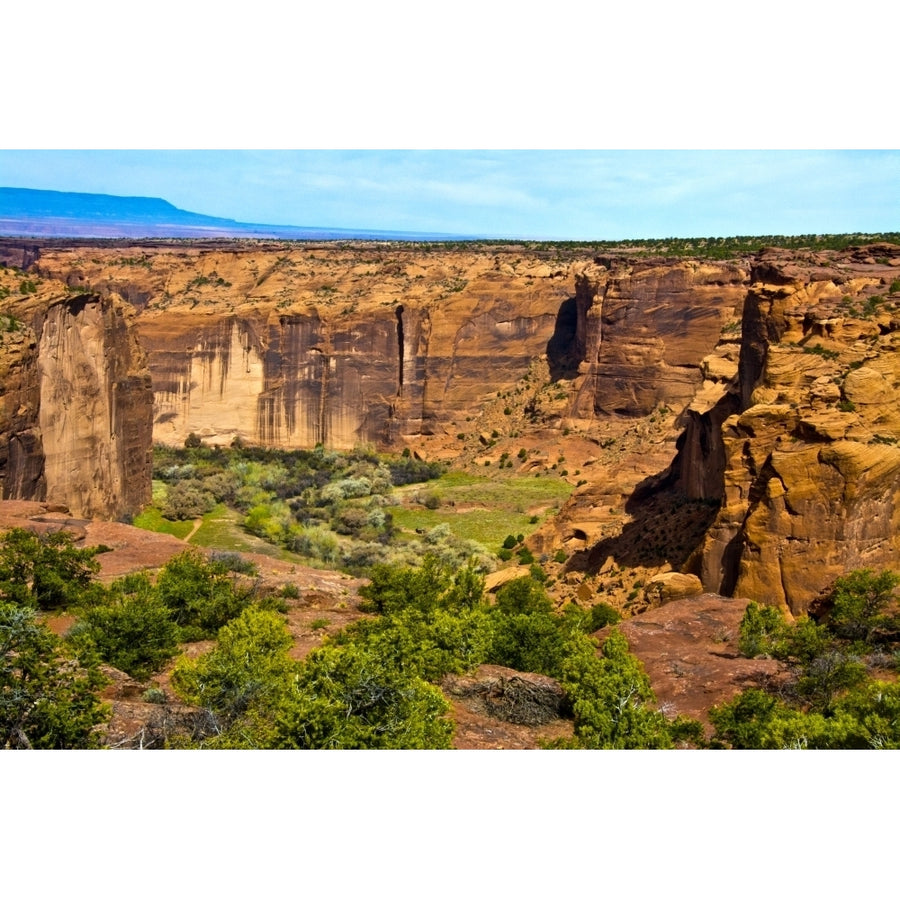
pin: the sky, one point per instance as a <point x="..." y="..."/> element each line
<point x="544" y="194"/>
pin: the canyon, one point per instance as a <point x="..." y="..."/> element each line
<point x="733" y="423"/>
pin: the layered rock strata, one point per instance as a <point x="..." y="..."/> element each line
<point x="77" y="406"/>
<point x="810" y="456"/>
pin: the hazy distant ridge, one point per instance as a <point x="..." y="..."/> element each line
<point x="31" y="212"/>
<point x="28" y="203"/>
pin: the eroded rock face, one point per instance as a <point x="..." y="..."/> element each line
<point x="293" y="347"/>
<point x="94" y="417"/>
<point x="77" y="406"/>
<point x="811" y="479"/>
<point x="21" y="452"/>
<point x="643" y="331"/>
<point x="306" y="346"/>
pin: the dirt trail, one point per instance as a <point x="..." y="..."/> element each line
<point x="193" y="531"/>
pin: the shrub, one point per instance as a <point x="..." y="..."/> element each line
<point x="348" y="698"/>
<point x="233" y="562"/>
<point x="602" y="614"/>
<point x="761" y="629"/>
<point x="612" y="701"/>
<point x="828" y="675"/>
<point x="45" y="571"/>
<point x="860" y="600"/>
<point x="47" y="698"/>
<point x="134" y="631"/>
<point x="187" y="500"/>
<point x="241" y="680"/>
<point x="200" y="595"/>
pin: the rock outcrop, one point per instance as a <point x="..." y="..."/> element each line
<point x="643" y="330"/>
<point x="76" y="405"/>
<point x="810" y="456"/>
<point x="341" y="346"/>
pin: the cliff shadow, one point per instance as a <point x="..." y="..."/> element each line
<point x="564" y="350"/>
<point x="666" y="527"/>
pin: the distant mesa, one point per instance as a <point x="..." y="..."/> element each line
<point x="25" y="212"/>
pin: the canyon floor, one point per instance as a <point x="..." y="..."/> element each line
<point x="688" y="646"/>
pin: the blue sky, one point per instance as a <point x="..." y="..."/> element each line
<point x="554" y="194"/>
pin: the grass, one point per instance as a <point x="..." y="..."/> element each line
<point x="160" y="492"/>
<point x="221" y="530"/>
<point x="486" y="526"/>
<point x="151" y="519"/>
<point x="486" y="509"/>
<point x="515" y="493"/>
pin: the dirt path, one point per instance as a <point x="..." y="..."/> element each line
<point x="193" y="531"/>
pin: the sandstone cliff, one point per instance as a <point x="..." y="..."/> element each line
<point x="780" y="471"/>
<point x="76" y="404"/>
<point x="736" y="421"/>
<point x="810" y="456"/>
<point x="292" y="347"/>
<point x="341" y="346"/>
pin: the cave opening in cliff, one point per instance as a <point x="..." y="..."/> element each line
<point x="398" y="312"/>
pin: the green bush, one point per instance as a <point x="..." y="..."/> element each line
<point x="243" y="679"/>
<point x="612" y="701"/>
<point x="45" y="571"/>
<point x="346" y="697"/>
<point x="47" y="697"/>
<point x="527" y="635"/>
<point x="199" y="594"/>
<point x="187" y="500"/>
<point x="859" y="605"/>
<point x="762" y="629"/>
<point x="133" y="631"/>
<point x="228" y="561"/>
<point x="602" y="614"/>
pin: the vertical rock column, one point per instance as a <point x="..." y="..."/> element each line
<point x="96" y="409"/>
